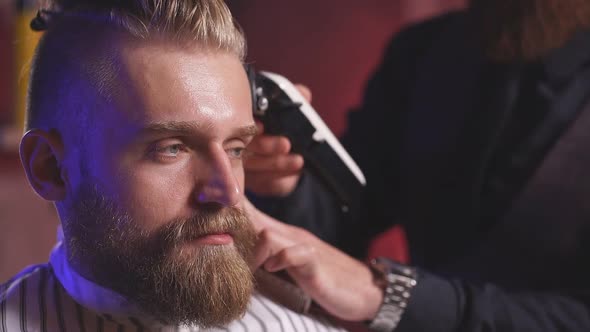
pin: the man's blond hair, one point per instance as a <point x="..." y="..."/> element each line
<point x="205" y="21"/>
<point x="73" y="72"/>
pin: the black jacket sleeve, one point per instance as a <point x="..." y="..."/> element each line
<point x="441" y="305"/>
<point x="372" y="139"/>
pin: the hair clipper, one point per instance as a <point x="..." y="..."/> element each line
<point x="284" y="111"/>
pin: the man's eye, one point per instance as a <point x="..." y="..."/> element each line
<point x="236" y="153"/>
<point x="170" y="150"/>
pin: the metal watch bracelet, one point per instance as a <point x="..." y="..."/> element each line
<point x="397" y="281"/>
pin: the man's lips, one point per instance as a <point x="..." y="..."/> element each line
<point x="214" y="239"/>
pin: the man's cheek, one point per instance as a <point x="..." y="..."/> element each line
<point x="152" y="200"/>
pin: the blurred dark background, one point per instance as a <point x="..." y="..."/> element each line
<point x="331" y="46"/>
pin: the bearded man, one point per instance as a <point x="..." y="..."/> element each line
<point x="138" y="115"/>
<point x="473" y="135"/>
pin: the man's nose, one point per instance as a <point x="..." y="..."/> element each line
<point x="220" y="184"/>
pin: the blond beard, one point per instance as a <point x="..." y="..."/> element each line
<point x="210" y="288"/>
<point x="160" y="271"/>
<point x="525" y="30"/>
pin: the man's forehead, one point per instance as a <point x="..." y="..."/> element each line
<point x="155" y="53"/>
<point x="134" y="61"/>
<point x="166" y="87"/>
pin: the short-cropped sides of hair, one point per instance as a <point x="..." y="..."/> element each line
<point x="74" y="58"/>
<point x="206" y="21"/>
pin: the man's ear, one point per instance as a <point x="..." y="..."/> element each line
<point x="42" y="154"/>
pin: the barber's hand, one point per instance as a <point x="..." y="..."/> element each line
<point x="271" y="169"/>
<point x="340" y="284"/>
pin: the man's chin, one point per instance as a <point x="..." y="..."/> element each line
<point x="208" y="286"/>
<point x="191" y="251"/>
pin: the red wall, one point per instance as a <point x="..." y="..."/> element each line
<point x="331" y="46"/>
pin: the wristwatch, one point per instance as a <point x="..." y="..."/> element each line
<point x="397" y="282"/>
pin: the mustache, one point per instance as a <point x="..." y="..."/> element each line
<point x="230" y="220"/>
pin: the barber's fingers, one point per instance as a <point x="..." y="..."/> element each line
<point x="276" y="252"/>
<point x="277" y="184"/>
<point x="260" y="220"/>
<point x="270" y="243"/>
<point x="271" y="231"/>
<point x="277" y="163"/>
<point x="274" y="231"/>
<point x="299" y="260"/>
<point x="269" y="145"/>
<point x="271" y="154"/>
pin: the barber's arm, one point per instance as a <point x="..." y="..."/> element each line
<point x="349" y="290"/>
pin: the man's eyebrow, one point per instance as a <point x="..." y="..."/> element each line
<point x="246" y="131"/>
<point x="185" y="128"/>
<point x="176" y="127"/>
